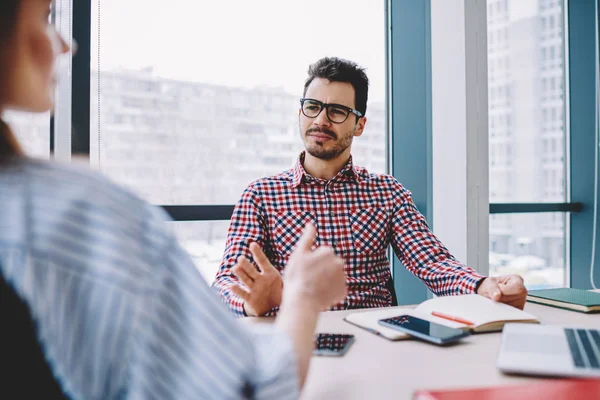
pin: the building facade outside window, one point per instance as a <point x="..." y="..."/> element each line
<point x="191" y="113"/>
<point x="526" y="72"/>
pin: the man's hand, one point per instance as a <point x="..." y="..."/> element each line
<point x="262" y="288"/>
<point x="507" y="289"/>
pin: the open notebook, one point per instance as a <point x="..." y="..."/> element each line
<point x="485" y="314"/>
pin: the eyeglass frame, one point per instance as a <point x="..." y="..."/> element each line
<point x="326" y="106"/>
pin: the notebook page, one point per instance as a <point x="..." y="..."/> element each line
<point x="475" y="308"/>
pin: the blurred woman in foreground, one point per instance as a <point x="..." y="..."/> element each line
<point x="118" y="308"/>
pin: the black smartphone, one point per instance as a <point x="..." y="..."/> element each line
<point x="332" y="344"/>
<point x="429" y="331"/>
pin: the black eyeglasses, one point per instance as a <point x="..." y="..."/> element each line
<point x="336" y="113"/>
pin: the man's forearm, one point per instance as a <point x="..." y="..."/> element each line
<point x="450" y="278"/>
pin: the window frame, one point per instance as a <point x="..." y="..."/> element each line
<point x="416" y="44"/>
<point x="409" y="158"/>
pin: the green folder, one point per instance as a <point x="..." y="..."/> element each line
<point x="566" y="298"/>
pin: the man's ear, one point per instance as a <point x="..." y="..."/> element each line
<point x="360" y="126"/>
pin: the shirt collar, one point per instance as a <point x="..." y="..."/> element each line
<point x="348" y="173"/>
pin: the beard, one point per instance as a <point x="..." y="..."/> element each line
<point x="323" y="152"/>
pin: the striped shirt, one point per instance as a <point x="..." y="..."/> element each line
<point x="120" y="308"/>
<point x="359" y="215"/>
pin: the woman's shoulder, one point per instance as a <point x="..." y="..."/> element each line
<point x="53" y="181"/>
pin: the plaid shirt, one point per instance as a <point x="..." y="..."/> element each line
<point x="356" y="213"/>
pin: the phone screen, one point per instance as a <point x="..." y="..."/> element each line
<point x="424" y="329"/>
<point x="332" y="344"/>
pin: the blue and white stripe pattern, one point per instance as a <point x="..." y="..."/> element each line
<point x="121" y="310"/>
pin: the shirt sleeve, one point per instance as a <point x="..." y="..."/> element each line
<point x="188" y="344"/>
<point x="247" y="225"/>
<point x="422" y="253"/>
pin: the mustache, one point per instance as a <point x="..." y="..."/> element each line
<point x="323" y="131"/>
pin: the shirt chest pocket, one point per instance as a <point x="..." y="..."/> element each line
<point x="288" y="228"/>
<point x="370" y="230"/>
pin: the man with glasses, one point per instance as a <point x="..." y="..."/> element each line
<point x="357" y="213"/>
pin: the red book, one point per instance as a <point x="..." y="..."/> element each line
<point x="555" y="389"/>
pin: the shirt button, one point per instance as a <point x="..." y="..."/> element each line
<point x="332" y="214"/>
<point x="335" y="243"/>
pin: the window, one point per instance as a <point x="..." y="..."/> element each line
<point x="183" y="118"/>
<point x="204" y="241"/>
<point x="167" y="103"/>
<point x="544" y="55"/>
<point x="533" y="169"/>
<point x="531" y="245"/>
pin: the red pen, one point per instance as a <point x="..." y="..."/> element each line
<point x="451" y="318"/>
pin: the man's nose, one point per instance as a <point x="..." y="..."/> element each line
<point x="322" y="119"/>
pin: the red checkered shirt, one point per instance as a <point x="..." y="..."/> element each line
<point x="356" y="213"/>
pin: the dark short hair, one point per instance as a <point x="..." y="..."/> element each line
<point x="337" y="69"/>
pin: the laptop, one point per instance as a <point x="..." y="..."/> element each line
<point x="549" y="350"/>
